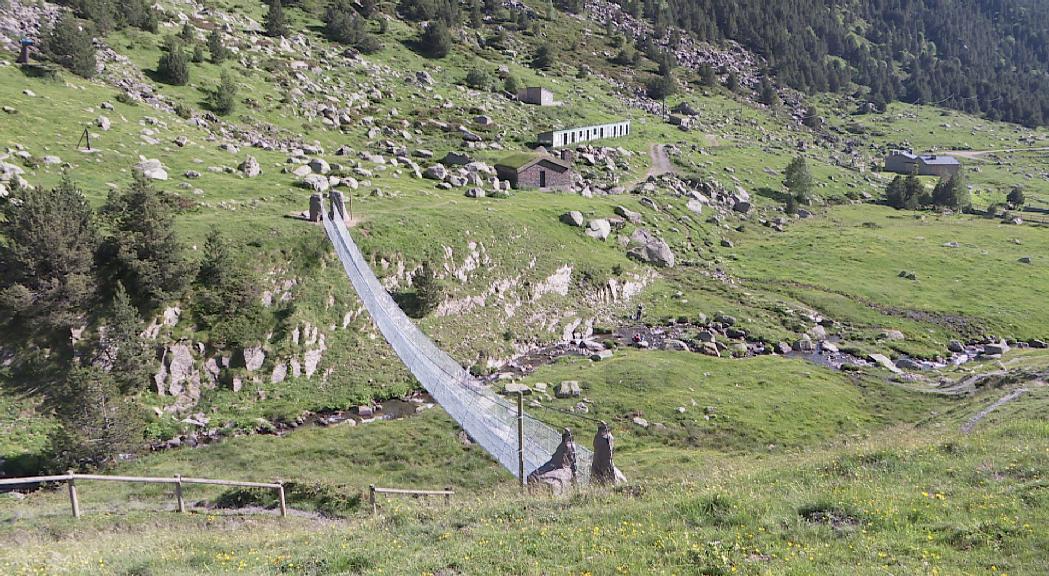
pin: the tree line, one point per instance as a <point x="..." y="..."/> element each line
<point x="76" y="283"/>
<point x="986" y="57"/>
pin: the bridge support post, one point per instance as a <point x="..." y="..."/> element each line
<point x="520" y="440"/>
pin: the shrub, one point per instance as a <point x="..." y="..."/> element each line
<point x="478" y="79"/>
<point x="1016" y="198"/>
<point x="436" y="41"/>
<point x="173" y="67"/>
<point x="216" y="47"/>
<point x="544" y="57"/>
<point x="223" y="99"/>
<point x="183" y="111"/>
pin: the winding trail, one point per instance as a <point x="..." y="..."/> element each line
<point x="660" y="161"/>
<point x="975" y="154"/>
<point x="971" y="423"/>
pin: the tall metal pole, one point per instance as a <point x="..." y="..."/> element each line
<point x="520" y="439"/>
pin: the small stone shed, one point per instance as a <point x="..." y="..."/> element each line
<point x="537" y="171"/>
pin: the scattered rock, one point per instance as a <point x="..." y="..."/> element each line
<point x="883" y="361"/>
<point x="573" y="218"/>
<point x="599" y="228"/>
<point x="250" y="167"/>
<point x="568" y="389"/>
<point x="152" y="169"/>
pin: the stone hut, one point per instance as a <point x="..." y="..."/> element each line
<point x="536" y="95"/>
<point x="540" y="171"/>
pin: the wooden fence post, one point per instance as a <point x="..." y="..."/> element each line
<point x="371" y="497"/>
<point x="73" y="500"/>
<point x="178" y="494"/>
<point x="448" y="496"/>
<point x="520" y="439"/>
<point x="280" y="498"/>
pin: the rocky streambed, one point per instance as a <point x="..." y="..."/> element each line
<point x="720" y="338"/>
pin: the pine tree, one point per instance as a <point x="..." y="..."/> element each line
<point x="173" y="66"/>
<point x="216" y="47"/>
<point x="71" y="47"/>
<point x="188" y="34"/>
<point x="47" y="258"/>
<point x="436" y="41"/>
<point x="343" y="24"/>
<point x="798" y="180"/>
<point x="769" y="96"/>
<point x="428" y="289"/>
<point x="707" y="77"/>
<point x="951" y="192"/>
<point x="98" y="425"/>
<point x="223" y="99"/>
<point x="129" y="357"/>
<point x="144" y="250"/>
<point x="224" y="286"/>
<point x="276" y="25"/>
<point x="732" y="82"/>
<point x="198" y="54"/>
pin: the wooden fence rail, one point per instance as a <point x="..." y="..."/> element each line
<point x="74" y="501"/>
<point x="373" y="490"/>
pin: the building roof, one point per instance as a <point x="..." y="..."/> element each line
<point x="929" y="159"/>
<point x="940" y="160"/>
<point x="525" y="160"/>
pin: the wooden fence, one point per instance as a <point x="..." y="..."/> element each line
<point x="373" y="490"/>
<point x="74" y="501"/>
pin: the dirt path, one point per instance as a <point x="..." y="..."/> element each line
<point x="972" y="422"/>
<point x="975" y="154"/>
<point x="660" y="161"/>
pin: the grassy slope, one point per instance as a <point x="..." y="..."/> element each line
<point x="714" y="497"/>
<point x="909" y="501"/>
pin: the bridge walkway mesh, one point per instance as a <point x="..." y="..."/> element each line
<point x="488" y="418"/>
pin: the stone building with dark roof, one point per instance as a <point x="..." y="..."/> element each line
<point x="906" y="162"/>
<point x="535" y="171"/>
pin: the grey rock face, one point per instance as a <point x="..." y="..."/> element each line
<point x="254" y="356"/>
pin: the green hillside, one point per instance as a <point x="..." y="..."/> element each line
<point x="746" y="451"/>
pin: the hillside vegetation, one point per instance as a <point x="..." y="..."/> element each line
<point x="808" y="355"/>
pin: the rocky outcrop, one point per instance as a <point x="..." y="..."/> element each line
<point x="650" y="249"/>
<point x="559" y="473"/>
<point x="602" y="469"/>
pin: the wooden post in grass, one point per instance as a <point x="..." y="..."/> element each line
<point x="520" y="439"/>
<point x="371" y="498"/>
<point x="281" y="500"/>
<point x="178" y="494"/>
<point x="448" y="496"/>
<point x="73" y="500"/>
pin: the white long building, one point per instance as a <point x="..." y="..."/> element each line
<point x="558" y="138"/>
